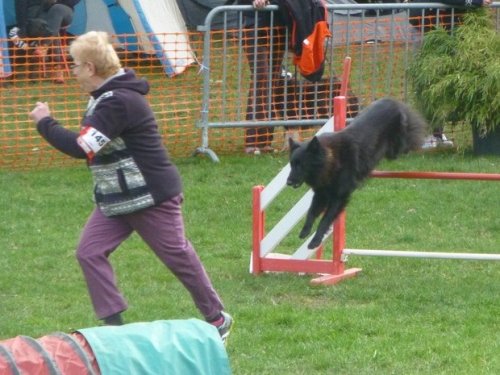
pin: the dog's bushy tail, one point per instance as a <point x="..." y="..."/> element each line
<point x="410" y="133"/>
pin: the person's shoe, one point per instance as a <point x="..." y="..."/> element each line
<point x="431" y="142"/>
<point x="445" y="142"/>
<point x="14" y="36"/>
<point x="113" y="320"/>
<point x="435" y="141"/>
<point x="225" y="327"/>
<point x="252" y="151"/>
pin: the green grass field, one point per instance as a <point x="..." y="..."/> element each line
<point x="399" y="316"/>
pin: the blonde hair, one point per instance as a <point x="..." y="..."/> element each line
<point x="96" y="47"/>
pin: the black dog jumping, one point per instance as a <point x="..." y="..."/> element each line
<point x="335" y="164"/>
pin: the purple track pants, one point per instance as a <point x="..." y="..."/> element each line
<point x="162" y="228"/>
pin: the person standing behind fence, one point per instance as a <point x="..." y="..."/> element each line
<point x="264" y="41"/>
<point x="136" y="185"/>
<point x="44" y="18"/>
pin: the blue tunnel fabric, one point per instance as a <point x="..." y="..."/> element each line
<point x="161" y="347"/>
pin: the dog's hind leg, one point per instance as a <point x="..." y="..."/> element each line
<point x="317" y="206"/>
<point x="333" y="210"/>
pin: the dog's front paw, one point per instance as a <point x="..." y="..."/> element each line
<point x="315" y="242"/>
<point x="305" y="232"/>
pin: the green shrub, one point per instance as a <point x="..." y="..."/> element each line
<point x="456" y="75"/>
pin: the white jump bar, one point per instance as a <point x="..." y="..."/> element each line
<point x="421" y="254"/>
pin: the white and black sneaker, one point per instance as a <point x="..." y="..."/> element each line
<point x="14" y="36"/>
<point x="225" y="326"/>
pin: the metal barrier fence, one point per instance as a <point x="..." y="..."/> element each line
<point x="380" y="38"/>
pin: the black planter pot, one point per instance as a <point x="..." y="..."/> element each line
<point x="488" y="144"/>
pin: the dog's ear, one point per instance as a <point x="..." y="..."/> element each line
<point x="292" y="144"/>
<point x="314" y="145"/>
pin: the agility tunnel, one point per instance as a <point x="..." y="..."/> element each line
<point x="151" y="348"/>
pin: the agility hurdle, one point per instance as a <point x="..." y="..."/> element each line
<point x="262" y="257"/>
<point x="303" y="260"/>
<point x="331" y="271"/>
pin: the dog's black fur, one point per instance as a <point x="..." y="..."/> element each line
<point x="335" y="164"/>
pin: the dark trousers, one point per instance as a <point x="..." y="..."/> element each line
<point x="58" y="17"/>
<point x="265" y="49"/>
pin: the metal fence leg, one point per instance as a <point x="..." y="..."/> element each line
<point x="204" y="149"/>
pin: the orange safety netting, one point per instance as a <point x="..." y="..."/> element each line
<point x="175" y="101"/>
<point x="378" y="69"/>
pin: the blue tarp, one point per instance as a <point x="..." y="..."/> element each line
<point x="190" y="346"/>
<point x="9" y="12"/>
<point x="5" y="69"/>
